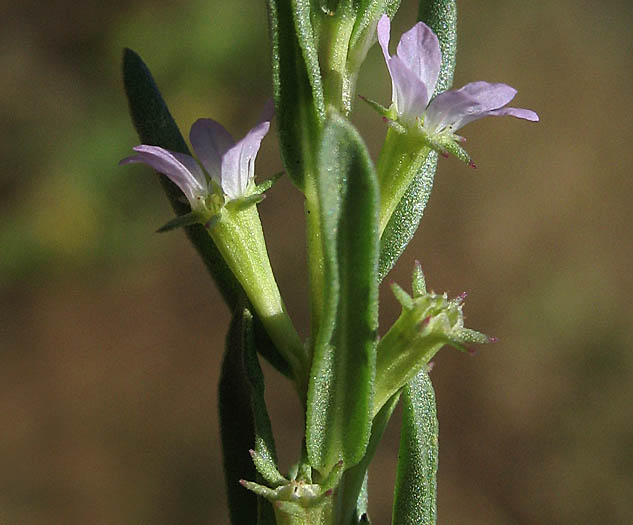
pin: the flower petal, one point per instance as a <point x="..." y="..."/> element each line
<point x="210" y="141"/>
<point x="181" y="169"/>
<point x="238" y="163"/>
<point x="383" y="30"/>
<point x="419" y="50"/>
<point x="410" y="95"/>
<point x="456" y="108"/>
<point x="525" y="114"/>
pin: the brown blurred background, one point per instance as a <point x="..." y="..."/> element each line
<point x="111" y="336"/>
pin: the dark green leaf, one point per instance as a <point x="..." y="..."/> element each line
<point x="155" y="126"/>
<point x="341" y="380"/>
<point x="441" y="17"/>
<point x="416" y="484"/>
<point x="296" y="81"/>
<point x="308" y="45"/>
<point x="244" y="421"/>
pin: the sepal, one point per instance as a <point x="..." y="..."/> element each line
<point x="418" y="283"/>
<point x="388" y="113"/>
<point x="446" y="144"/>
<point x="244" y="203"/>
<point x="268" y="183"/>
<point x="188" y="219"/>
<point x="267" y="467"/>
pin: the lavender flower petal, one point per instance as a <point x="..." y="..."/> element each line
<point x="456" y="108"/>
<point x="210" y="141"/>
<point x="181" y="169"/>
<point x="238" y="163"/>
<point x="419" y="50"/>
<point x="410" y="95"/>
<point x="525" y="114"/>
<point x="383" y="30"/>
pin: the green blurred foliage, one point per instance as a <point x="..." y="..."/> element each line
<point x="111" y="335"/>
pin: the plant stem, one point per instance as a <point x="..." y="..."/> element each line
<point x="315" y="255"/>
<point x="338" y="83"/>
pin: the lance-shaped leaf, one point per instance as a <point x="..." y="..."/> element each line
<point x="244" y="422"/>
<point x="297" y="85"/>
<point x="416" y="483"/>
<point x="340" y="392"/>
<point x="441" y="17"/>
<point x="155" y="126"/>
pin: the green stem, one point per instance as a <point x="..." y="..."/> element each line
<point x="239" y="237"/>
<point x="315" y="255"/>
<point x="338" y="83"/>
<point x="402" y="156"/>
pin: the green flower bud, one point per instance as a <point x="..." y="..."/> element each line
<point x="428" y="322"/>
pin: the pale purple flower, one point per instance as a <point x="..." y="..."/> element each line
<point x="230" y="165"/>
<point x="414" y="71"/>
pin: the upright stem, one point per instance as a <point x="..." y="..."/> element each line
<point x="338" y="83"/>
<point x="315" y="255"/>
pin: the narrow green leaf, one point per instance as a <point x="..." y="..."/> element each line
<point x="340" y="393"/>
<point x="237" y="426"/>
<point x="441" y="17"/>
<point x="155" y="126"/>
<point x="244" y="421"/>
<point x="308" y="44"/>
<point x="298" y="96"/>
<point x="352" y="493"/>
<point x="416" y="483"/>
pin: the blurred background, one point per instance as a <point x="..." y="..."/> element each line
<point x="111" y="336"/>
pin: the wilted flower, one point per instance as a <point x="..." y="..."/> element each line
<point x="229" y="165"/>
<point x="414" y="71"/>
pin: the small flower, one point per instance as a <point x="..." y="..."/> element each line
<point x="414" y="71"/>
<point x="229" y="165"/>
